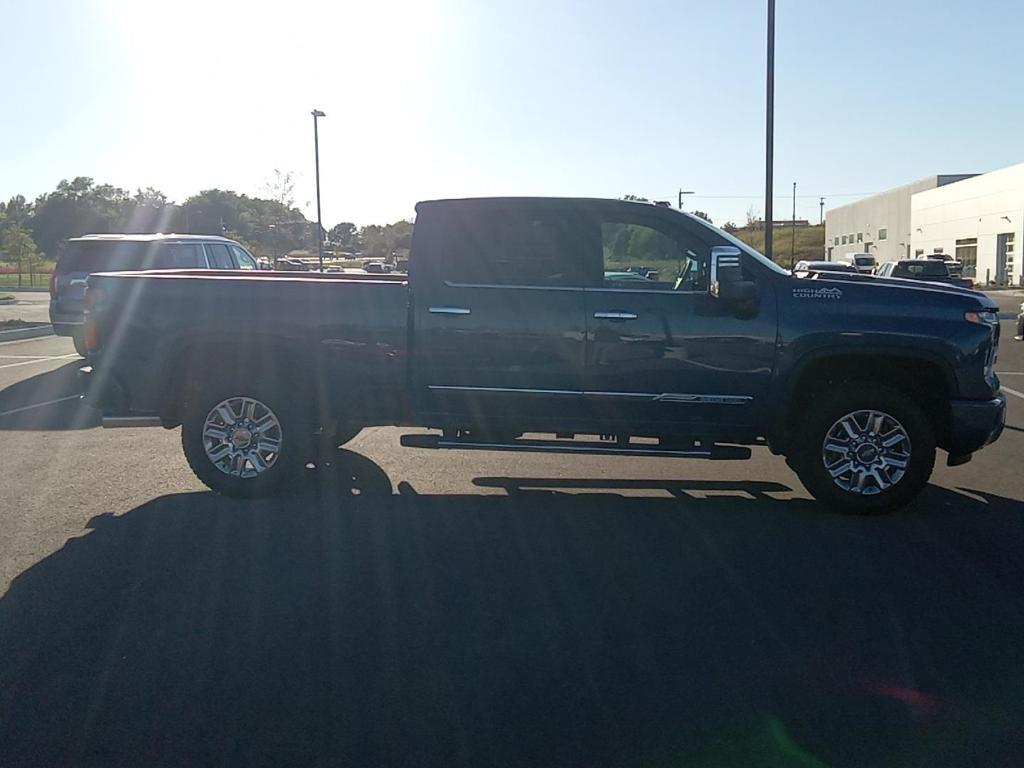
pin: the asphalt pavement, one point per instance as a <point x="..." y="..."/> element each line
<point x="412" y="607"/>
<point x="31" y="306"/>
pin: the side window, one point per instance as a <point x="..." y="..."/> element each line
<point x="516" y="248"/>
<point x="178" y="256"/>
<point x="641" y="256"/>
<point x="245" y="261"/>
<point x="220" y="257"/>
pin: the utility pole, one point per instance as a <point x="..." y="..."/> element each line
<point x="792" y="226"/>
<point x="319" y="225"/>
<point x="821" y="214"/>
<point x="769" y="152"/>
<point x="681" y="193"/>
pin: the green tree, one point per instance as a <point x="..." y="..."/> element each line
<point x="20" y="249"/>
<point x="702" y="215"/>
<point x="77" y="207"/>
<point x="345" y="235"/>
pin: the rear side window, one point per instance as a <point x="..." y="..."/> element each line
<point x="178" y="256"/>
<point x="220" y="257"/>
<point x="925" y="268"/>
<point x="245" y="261"/>
<point x="85" y="256"/>
<point x="493" y="247"/>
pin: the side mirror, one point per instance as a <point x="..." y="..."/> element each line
<point x="727" y="283"/>
<point x="740" y="292"/>
<point x="725" y="268"/>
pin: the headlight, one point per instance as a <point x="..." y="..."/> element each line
<point x="982" y="317"/>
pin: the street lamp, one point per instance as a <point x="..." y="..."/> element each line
<point x="769" y="131"/>
<point x="316" y="113"/>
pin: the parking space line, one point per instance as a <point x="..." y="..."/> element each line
<point x="1013" y="392"/>
<point x="30" y="356"/>
<point x="44" y="360"/>
<point x="39" y="405"/>
<point x="36" y="339"/>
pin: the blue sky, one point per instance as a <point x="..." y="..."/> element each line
<point x="452" y="98"/>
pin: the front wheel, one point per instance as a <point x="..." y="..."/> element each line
<point x="79" y="341"/>
<point x="864" y="449"/>
<point x="244" y="442"/>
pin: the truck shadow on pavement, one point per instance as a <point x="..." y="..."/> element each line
<point x="21" y="402"/>
<point x="349" y="625"/>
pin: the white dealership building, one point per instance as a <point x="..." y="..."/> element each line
<point x="978" y="219"/>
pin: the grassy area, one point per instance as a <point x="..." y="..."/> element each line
<point x="11" y="325"/>
<point x="28" y="280"/>
<point x="802" y="242"/>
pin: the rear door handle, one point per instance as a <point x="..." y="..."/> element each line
<point x="449" y="311"/>
<point x="615" y="315"/>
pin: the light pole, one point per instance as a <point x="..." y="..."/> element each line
<point x="681" y="193"/>
<point x="319" y="226"/>
<point x="769" y="131"/>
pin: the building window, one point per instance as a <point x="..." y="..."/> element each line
<point x="844" y="239"/>
<point x="966" y="254"/>
<point x="918" y="253"/>
<point x="860" y="237"/>
<point x="837" y="240"/>
<point x="883" y="233"/>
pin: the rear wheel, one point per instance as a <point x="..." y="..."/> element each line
<point x="864" y="449"/>
<point x="243" y="441"/>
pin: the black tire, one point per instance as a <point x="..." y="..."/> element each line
<point x="294" y="433"/>
<point x="79" y="341"/>
<point x="823" y="416"/>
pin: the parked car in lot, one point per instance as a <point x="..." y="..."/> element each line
<point x="824" y="266"/>
<point x="625" y="276"/>
<point x="508" y="325"/>
<point x="377" y="267"/>
<point x="863" y="262"/>
<point x="116" y="253"/>
<point x="932" y="270"/>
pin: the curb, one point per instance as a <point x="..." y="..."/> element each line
<point x="26" y="333"/>
<point x="8" y="301"/>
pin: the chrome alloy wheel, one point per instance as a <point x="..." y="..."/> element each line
<point x="866" y="452"/>
<point x="242" y="437"/>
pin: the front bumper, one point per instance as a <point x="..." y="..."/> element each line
<point x="973" y="424"/>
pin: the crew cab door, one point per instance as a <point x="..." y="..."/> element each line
<point x="663" y="354"/>
<point x="498" y="313"/>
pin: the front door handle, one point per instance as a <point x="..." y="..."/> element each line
<point x="615" y="315"/>
<point x="449" y="311"/>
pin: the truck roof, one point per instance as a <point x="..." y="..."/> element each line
<point x="116" y="237"/>
<point x="513" y="201"/>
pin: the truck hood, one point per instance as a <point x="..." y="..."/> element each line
<point x="866" y="285"/>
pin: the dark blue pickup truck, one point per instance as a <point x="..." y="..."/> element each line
<point x="513" y="324"/>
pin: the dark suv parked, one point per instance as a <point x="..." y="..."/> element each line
<point x="117" y="253"/>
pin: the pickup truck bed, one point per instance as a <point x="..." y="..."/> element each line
<point x="354" y="328"/>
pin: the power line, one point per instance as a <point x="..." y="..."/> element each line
<point x="781" y="197"/>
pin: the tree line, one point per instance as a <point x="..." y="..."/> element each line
<point x="271" y="226"/>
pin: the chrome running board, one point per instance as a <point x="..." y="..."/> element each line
<point x="716" y="452"/>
